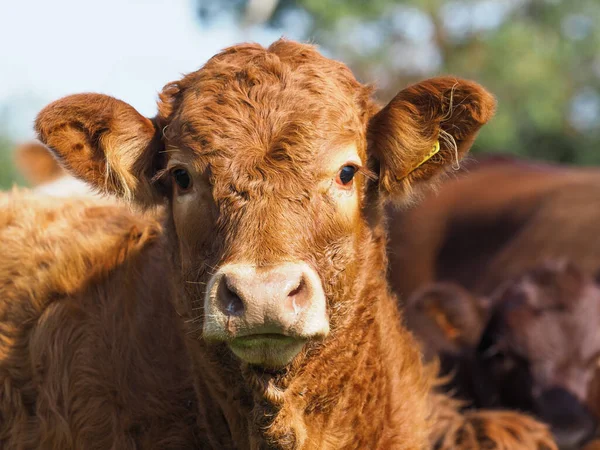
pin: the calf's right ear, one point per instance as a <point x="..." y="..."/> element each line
<point x="424" y="130"/>
<point x="104" y="142"/>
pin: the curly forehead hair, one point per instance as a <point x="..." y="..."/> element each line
<point x="285" y="62"/>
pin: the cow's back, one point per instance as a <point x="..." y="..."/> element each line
<point x="493" y="221"/>
<point x="91" y="354"/>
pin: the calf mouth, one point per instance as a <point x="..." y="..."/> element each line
<point x="265" y="315"/>
<point x="267" y="350"/>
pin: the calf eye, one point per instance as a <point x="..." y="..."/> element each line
<point x="346" y="175"/>
<point x="182" y="178"/>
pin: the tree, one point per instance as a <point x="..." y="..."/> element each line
<point x="538" y="56"/>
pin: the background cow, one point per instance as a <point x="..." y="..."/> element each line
<point x="42" y="171"/>
<point x="541" y="348"/>
<point x="534" y="346"/>
<point x="495" y="220"/>
<point x="448" y="321"/>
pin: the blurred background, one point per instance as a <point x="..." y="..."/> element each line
<point x="540" y="57"/>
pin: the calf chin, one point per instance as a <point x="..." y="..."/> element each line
<point x="271" y="351"/>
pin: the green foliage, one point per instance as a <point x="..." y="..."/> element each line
<point x="8" y="174"/>
<point x="539" y="57"/>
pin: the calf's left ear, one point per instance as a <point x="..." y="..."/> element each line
<point x="104" y="142"/>
<point x="426" y="129"/>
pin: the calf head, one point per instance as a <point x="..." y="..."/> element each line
<point x="273" y="163"/>
<point x="542" y="345"/>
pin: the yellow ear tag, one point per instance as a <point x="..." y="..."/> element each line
<point x="431" y="154"/>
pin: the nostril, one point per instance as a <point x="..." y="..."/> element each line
<point x="229" y="301"/>
<point x="297" y="289"/>
<point x="299" y="297"/>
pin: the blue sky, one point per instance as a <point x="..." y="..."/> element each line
<point x="126" y="48"/>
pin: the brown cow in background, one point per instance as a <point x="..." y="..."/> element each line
<point x="42" y="171"/>
<point x="500" y="218"/>
<point x="541" y="348"/>
<point x="497" y="219"/>
<point x="448" y="321"/>
<point x="533" y="346"/>
<point x="267" y="160"/>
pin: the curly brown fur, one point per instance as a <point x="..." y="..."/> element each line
<point x="91" y="356"/>
<point x="453" y="428"/>
<point x="474" y="430"/>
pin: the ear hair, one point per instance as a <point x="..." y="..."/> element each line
<point x="105" y="142"/>
<point x="404" y="135"/>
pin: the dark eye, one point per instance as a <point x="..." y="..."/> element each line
<point x="346" y="175"/>
<point x="182" y="178"/>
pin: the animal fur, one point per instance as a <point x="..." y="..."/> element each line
<point x="256" y="130"/>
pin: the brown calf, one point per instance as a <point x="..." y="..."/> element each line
<point x="274" y="165"/>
